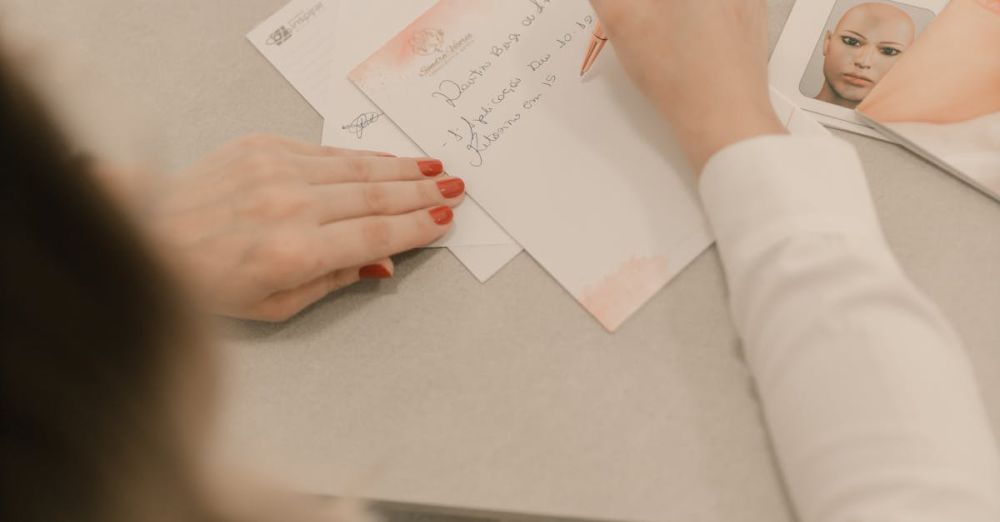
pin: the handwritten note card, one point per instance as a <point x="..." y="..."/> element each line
<point x="353" y="121"/>
<point x="582" y="173"/>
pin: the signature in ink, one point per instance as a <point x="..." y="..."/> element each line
<point x="473" y="144"/>
<point x="362" y="122"/>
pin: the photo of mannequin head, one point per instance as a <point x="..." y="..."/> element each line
<point x="865" y="44"/>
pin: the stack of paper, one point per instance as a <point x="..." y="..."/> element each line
<point x="583" y="173"/>
<point x="314" y="45"/>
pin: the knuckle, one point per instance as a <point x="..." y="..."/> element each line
<point x="428" y="192"/>
<point x="376" y="199"/>
<point x="332" y="152"/>
<point x="254" y="170"/>
<point x="275" y="204"/>
<point x="264" y="165"/>
<point x="377" y="235"/>
<point x="361" y="169"/>
<point x="291" y="202"/>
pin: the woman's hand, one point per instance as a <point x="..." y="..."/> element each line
<point x="703" y="63"/>
<point x="266" y="226"/>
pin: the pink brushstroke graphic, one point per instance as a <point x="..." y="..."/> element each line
<point x="615" y="298"/>
<point x="423" y="38"/>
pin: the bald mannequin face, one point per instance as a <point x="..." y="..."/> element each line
<point x="860" y="51"/>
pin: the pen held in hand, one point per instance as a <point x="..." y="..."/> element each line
<point x="597" y="43"/>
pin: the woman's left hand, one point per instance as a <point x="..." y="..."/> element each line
<point x="265" y="227"/>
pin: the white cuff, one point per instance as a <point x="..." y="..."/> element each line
<point x="781" y="184"/>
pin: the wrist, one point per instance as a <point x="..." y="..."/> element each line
<point x="702" y="132"/>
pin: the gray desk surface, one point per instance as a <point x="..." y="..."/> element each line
<point x="506" y="397"/>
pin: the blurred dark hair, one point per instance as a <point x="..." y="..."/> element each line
<point x="90" y="327"/>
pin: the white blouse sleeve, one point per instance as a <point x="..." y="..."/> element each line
<point x="871" y="403"/>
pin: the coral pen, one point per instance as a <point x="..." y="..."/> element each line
<point x="596" y="45"/>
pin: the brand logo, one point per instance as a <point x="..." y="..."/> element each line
<point x="285" y="32"/>
<point x="432" y="42"/>
<point x="280" y="36"/>
<point x="427" y="42"/>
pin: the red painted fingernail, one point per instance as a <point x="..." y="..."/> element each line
<point x="430" y="167"/>
<point x="442" y="215"/>
<point x="451" y="187"/>
<point x="374" y="272"/>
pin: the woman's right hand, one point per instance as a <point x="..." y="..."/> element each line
<point x="702" y="63"/>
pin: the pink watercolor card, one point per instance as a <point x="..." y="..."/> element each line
<point x="580" y="171"/>
<point x="353" y="121"/>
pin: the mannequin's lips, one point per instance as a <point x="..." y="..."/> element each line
<point x="857" y="80"/>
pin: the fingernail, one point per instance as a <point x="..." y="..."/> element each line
<point x="374" y="272"/>
<point x="386" y="155"/>
<point x="451" y="187"/>
<point x="442" y="215"/>
<point x="430" y="167"/>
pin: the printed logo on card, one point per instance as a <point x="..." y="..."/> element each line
<point x="280" y="36"/>
<point x="299" y="21"/>
<point x="432" y="42"/>
<point x="427" y="41"/>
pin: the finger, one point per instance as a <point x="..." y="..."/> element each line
<point x="352" y="242"/>
<point x="307" y="149"/>
<point x="609" y="12"/>
<point x="367" y="169"/>
<point x="355" y="200"/>
<point x="600" y="6"/>
<point x="267" y="142"/>
<point x="382" y="269"/>
<point x="311" y="149"/>
<point x="337" y="151"/>
<point x="283" y="305"/>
